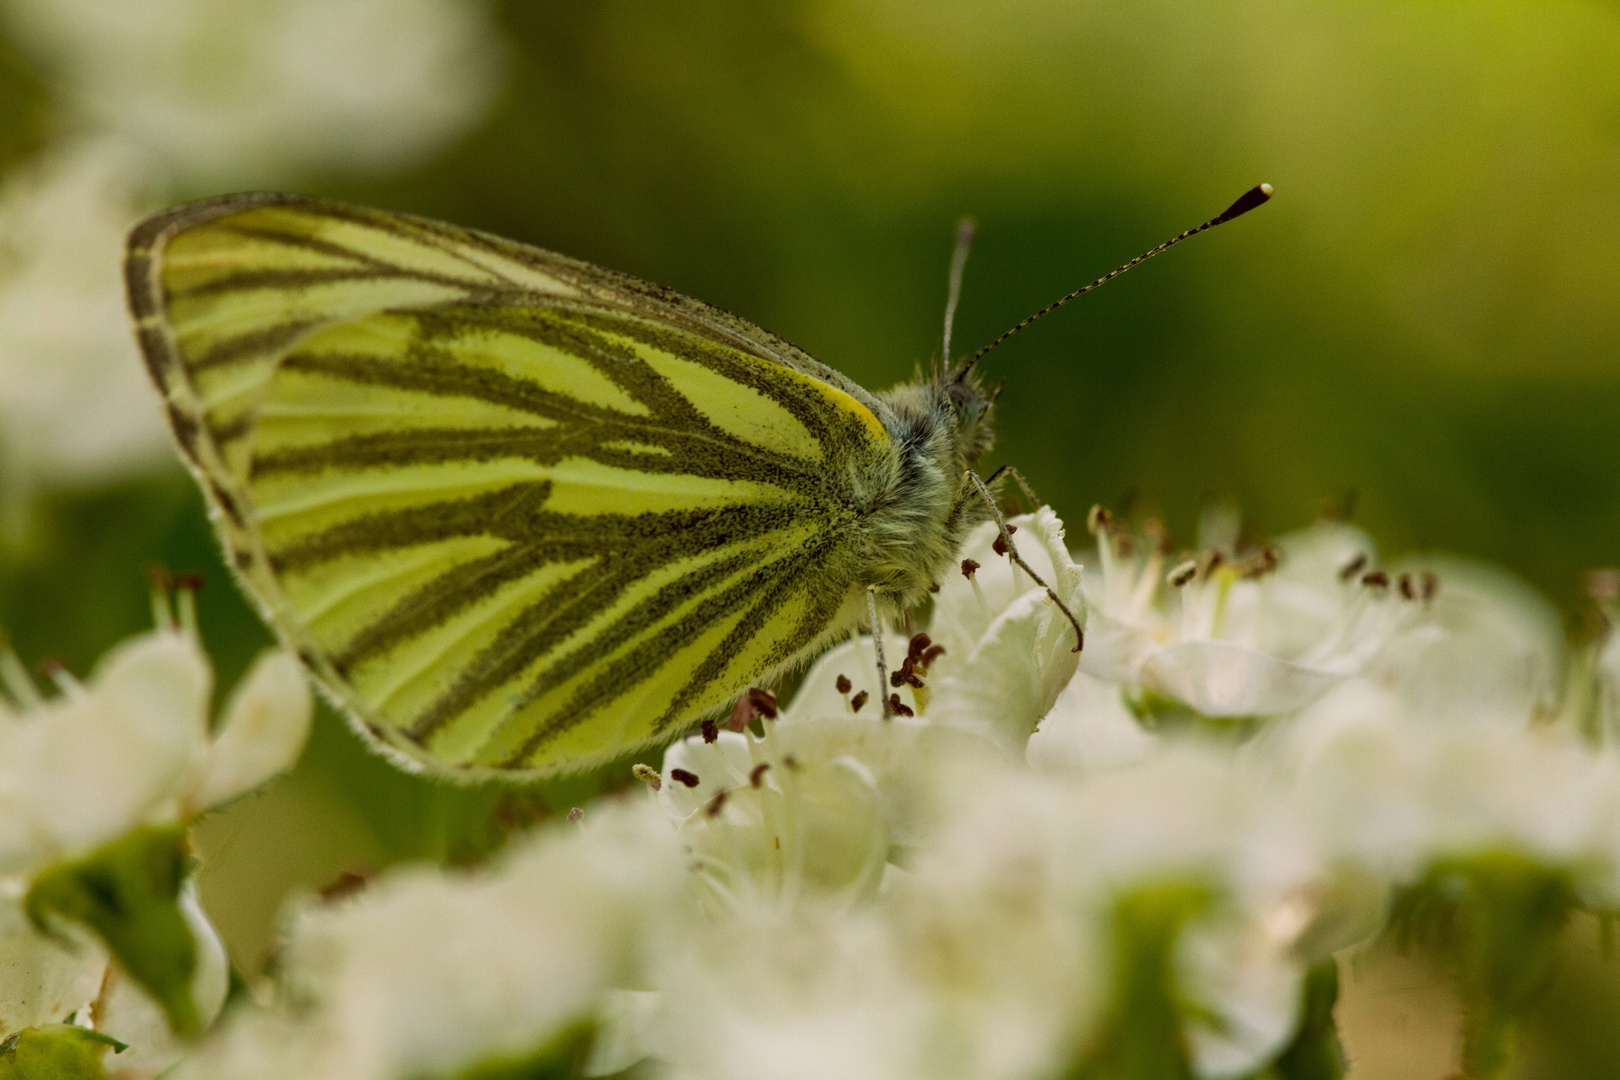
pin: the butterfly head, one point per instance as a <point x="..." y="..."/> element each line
<point x="970" y="406"/>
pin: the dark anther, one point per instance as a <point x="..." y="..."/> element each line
<point x="346" y="884"/>
<point x="1263" y="562"/>
<point x="934" y="653"/>
<point x="898" y="678"/>
<point x="1157" y="535"/>
<point x="712" y="809"/>
<point x="1098" y="519"/>
<point x="1377" y="579"/>
<point x="764" y="702"/>
<point x="1000" y="546"/>
<point x="683" y="777"/>
<point x="758" y="774"/>
<point x="792" y="762"/>
<point x="710" y="731"/>
<point x="843" y="684"/>
<point x="969" y="568"/>
<point x="1431" y="585"/>
<point x="919" y="644"/>
<point x="1408" y="591"/>
<point x="1353" y="567"/>
<point x="857" y="701"/>
<point x="898" y="707"/>
<point x="1183" y="573"/>
<point x="576" y="815"/>
<point x="192" y="581"/>
<point x="934" y="587"/>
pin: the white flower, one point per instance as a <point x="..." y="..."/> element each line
<point x="252" y="92"/>
<point x="1058" y="851"/>
<point x="75" y="401"/>
<point x="129" y="747"/>
<point x="1009" y="650"/>
<point x="1395" y="797"/>
<point x="44" y="980"/>
<point x="776" y="995"/>
<point x="1240" y="634"/>
<point x="132" y="745"/>
<point x="428" y="974"/>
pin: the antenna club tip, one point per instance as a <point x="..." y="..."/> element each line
<point x="1250" y="199"/>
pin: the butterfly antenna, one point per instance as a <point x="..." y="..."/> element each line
<point x="965" y="228"/>
<point x="1246" y="202"/>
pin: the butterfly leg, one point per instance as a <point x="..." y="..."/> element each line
<point x="877" y="642"/>
<point x="1034" y="500"/>
<point x="972" y="478"/>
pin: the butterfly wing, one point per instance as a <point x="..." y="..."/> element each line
<point x="516" y="512"/>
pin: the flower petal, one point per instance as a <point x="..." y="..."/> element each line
<point x="266" y="725"/>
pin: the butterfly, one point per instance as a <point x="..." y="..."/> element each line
<point x="521" y="515"/>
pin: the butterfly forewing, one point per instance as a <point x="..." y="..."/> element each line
<point x="517" y="513"/>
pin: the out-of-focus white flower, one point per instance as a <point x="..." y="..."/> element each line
<point x="75" y="401"/>
<point x="44" y="980"/>
<point x="1071" y="846"/>
<point x="428" y="974"/>
<point x="1240" y="634"/>
<point x="1395" y="797"/>
<point x="776" y="995"/>
<point x="132" y="745"/>
<point x="253" y="92"/>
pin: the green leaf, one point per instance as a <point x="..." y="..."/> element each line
<point x="1495" y="919"/>
<point x="1315" y="1053"/>
<point x="561" y="1058"/>
<point x="128" y="892"/>
<point x="1141" y="1038"/>
<point x="55" y="1052"/>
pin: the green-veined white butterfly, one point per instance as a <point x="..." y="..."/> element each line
<point x="522" y="514"/>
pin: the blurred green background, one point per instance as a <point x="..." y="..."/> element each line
<point x="1425" y="317"/>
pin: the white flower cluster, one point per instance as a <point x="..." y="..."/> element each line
<point x="167" y="98"/>
<point x="105" y="770"/>
<point x="1140" y="868"/>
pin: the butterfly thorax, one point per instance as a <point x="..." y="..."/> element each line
<point x="919" y="517"/>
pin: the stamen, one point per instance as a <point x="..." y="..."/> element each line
<point x="1408" y="591"/>
<point x="969" y="568"/>
<point x="1000" y="544"/>
<point x="714" y="805"/>
<point x="711" y="732"/>
<point x="14" y="678"/>
<point x="898" y="707"/>
<point x="1182" y="573"/>
<point x="756" y="777"/>
<point x="647" y="775"/>
<point x="1355" y="566"/>
<point x="764" y="702"/>
<point x="1098" y="519"/>
<point x="1376" y="580"/>
<point x="58" y="673"/>
<point x="681" y="776"/>
<point x="1431" y="585"/>
<point x="843" y="684"/>
<point x="576" y="815"/>
<point x="857" y="702"/>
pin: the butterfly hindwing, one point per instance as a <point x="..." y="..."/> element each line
<point x="516" y="512"/>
